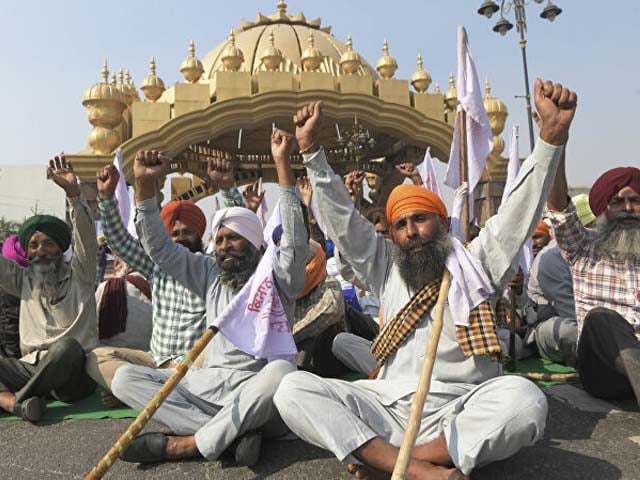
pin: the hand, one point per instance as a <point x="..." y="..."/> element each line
<point x="107" y="181"/>
<point x="252" y="197"/>
<point x="282" y="145"/>
<point x="556" y="107"/>
<point x="352" y="181"/>
<point x="150" y="165"/>
<point x="308" y="121"/>
<point x="221" y="172"/>
<point x="461" y="192"/>
<point x="62" y="174"/>
<point x="409" y="170"/>
<point x="306" y="190"/>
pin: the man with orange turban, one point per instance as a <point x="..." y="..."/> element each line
<point x="473" y="416"/>
<point x="605" y="263"/>
<point x="541" y="237"/>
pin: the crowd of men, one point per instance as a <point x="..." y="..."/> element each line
<point x="358" y="294"/>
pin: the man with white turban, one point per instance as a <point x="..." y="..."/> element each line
<point x="231" y="398"/>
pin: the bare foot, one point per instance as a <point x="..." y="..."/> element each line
<point x="181" y="447"/>
<point x="364" y="472"/>
<point x="109" y="400"/>
<point x="418" y="470"/>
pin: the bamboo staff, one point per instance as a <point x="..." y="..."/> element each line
<point x="417" y="406"/>
<point x="145" y="415"/>
<point x="512" y="329"/>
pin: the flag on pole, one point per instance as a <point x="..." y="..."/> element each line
<point x="122" y="193"/>
<point x="479" y="135"/>
<point x="263" y="208"/>
<point x="429" y="179"/>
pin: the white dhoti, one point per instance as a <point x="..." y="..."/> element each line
<point x="483" y="424"/>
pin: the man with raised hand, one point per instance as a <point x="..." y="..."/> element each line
<point x="473" y="416"/>
<point x="231" y="397"/>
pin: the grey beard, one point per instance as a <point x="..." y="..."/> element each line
<point x="616" y="239"/>
<point x="417" y="269"/>
<point x="235" y="273"/>
<point x="45" y="276"/>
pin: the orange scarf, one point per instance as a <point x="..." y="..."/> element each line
<point x="316" y="270"/>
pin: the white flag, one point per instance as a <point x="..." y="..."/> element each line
<point x="122" y="193"/>
<point x="479" y="137"/>
<point x="263" y="209"/>
<point x="429" y="179"/>
<point x="255" y="320"/>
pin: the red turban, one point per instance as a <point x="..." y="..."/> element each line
<point x="185" y="212"/>
<point x="542" y="228"/>
<point x="413" y="198"/>
<point x="609" y="184"/>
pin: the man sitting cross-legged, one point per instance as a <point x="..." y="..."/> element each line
<point x="473" y="416"/>
<point x="231" y="397"/>
<point x="57" y="309"/>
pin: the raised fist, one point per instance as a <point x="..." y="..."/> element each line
<point x="556" y="107"/>
<point x="107" y="181"/>
<point x="308" y="121"/>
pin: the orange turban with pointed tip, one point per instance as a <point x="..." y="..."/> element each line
<point x="185" y="212"/>
<point x="413" y="198"/>
<point x="542" y="228"/>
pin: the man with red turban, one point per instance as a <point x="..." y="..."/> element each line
<point x="473" y="416"/>
<point x="605" y="263"/>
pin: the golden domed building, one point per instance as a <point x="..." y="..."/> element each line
<point x="259" y="76"/>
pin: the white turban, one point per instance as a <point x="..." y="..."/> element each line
<point x="242" y="221"/>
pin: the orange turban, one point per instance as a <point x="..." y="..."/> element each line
<point x="185" y="212"/>
<point x="542" y="228"/>
<point x="413" y="198"/>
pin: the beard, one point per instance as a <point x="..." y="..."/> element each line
<point x="195" y="246"/>
<point x="619" y="236"/>
<point x="236" y="268"/>
<point x="426" y="265"/>
<point x="45" y="275"/>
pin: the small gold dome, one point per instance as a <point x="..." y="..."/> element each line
<point x="132" y="88"/>
<point x="192" y="68"/>
<point x="350" y="60"/>
<point x="436" y="90"/>
<point x="103" y="90"/>
<point x="421" y="79"/>
<point x="496" y="110"/>
<point x="387" y="64"/>
<point x="127" y="90"/>
<point x="311" y="58"/>
<point x="272" y="56"/>
<point x="232" y="56"/>
<point x="451" y="95"/>
<point x="152" y="86"/>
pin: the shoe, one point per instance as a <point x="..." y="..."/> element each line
<point x="32" y="409"/>
<point x="247" y="451"/>
<point x="147" y="448"/>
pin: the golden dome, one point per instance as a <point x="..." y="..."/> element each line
<point x="496" y="111"/>
<point x="451" y="95"/>
<point x="271" y="56"/>
<point x="232" y="57"/>
<point x="103" y="90"/>
<point x="421" y="79"/>
<point x="192" y="68"/>
<point x="436" y="90"/>
<point x="350" y="60"/>
<point x="152" y="86"/>
<point x="311" y="58"/>
<point x="387" y="64"/>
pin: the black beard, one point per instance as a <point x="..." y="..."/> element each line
<point x="617" y="239"/>
<point x="426" y="265"/>
<point x="236" y="272"/>
<point x="195" y="246"/>
<point x="45" y="275"/>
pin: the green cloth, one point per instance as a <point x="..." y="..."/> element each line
<point x="539" y="365"/>
<point x="88" y="408"/>
<point x="54" y="228"/>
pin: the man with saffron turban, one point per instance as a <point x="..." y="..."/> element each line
<point x="473" y="416"/>
<point x="605" y="263"/>
<point x="541" y="237"/>
<point x="57" y="309"/>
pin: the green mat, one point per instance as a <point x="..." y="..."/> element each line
<point x="538" y="365"/>
<point x="88" y="408"/>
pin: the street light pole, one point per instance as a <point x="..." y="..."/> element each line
<point x="521" y="22"/>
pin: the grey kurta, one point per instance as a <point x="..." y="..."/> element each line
<point x="227" y="371"/>
<point x="455" y="378"/>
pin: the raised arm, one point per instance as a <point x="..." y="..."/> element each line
<point x="409" y="170"/>
<point x="123" y="244"/>
<point x="190" y="269"/>
<point x="221" y="172"/>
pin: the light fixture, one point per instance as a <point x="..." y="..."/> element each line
<point x="488" y="8"/>
<point x="551" y="11"/>
<point x="503" y="26"/>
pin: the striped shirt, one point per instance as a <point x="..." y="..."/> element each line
<point x="179" y="315"/>
<point x="598" y="281"/>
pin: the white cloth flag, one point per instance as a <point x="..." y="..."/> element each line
<point x="255" y="320"/>
<point x="479" y="137"/>
<point x="429" y="179"/>
<point x="513" y="169"/>
<point x="122" y="193"/>
<point x="263" y="209"/>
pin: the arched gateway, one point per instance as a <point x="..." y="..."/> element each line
<point x="259" y="76"/>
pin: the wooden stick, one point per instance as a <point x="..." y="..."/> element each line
<point x="512" y="330"/>
<point x="145" y="415"/>
<point x="464" y="171"/>
<point x="548" y="377"/>
<point x="417" y="406"/>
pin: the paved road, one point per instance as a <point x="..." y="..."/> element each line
<point x="577" y="445"/>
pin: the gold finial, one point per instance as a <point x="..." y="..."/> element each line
<point x="487" y="89"/>
<point x="282" y="7"/>
<point x="272" y="56"/>
<point x="152" y="86"/>
<point x="497" y="112"/>
<point x="437" y="89"/>
<point x="105" y="72"/>
<point x="113" y="79"/>
<point x="311" y="57"/>
<point x="386" y="65"/>
<point x="350" y="60"/>
<point x="232" y="56"/>
<point x="192" y="68"/>
<point x="451" y="95"/>
<point x="121" y="77"/>
<point x="421" y="79"/>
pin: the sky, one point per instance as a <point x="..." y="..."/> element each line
<point x="53" y="51"/>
